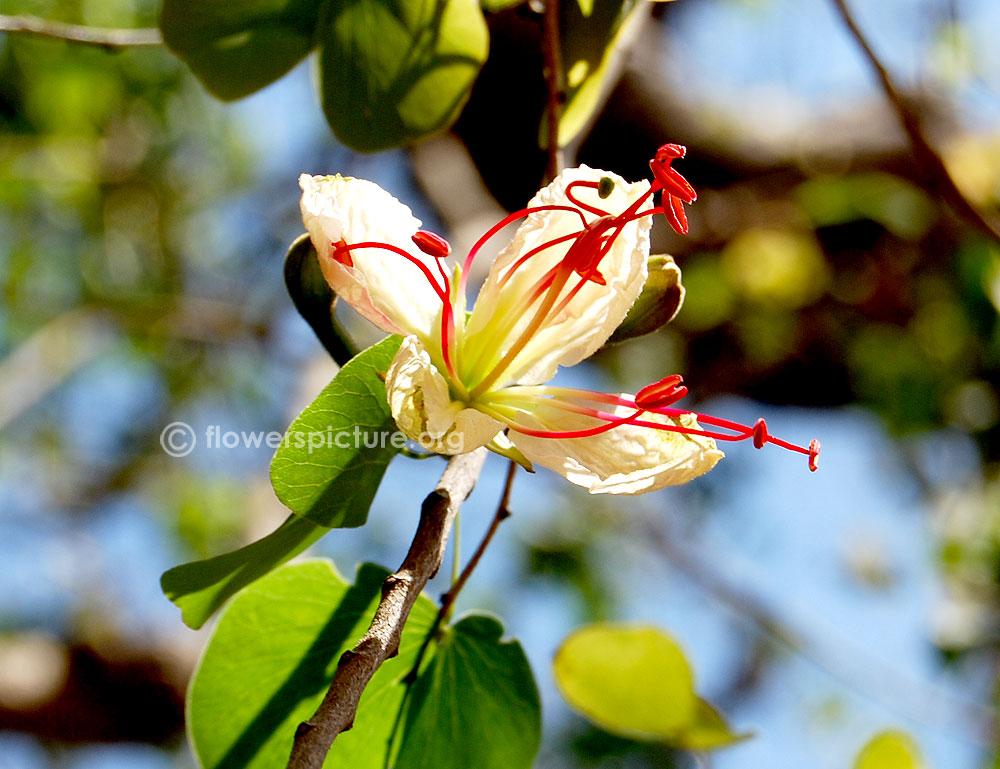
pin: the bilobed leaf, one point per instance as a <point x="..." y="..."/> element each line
<point x="314" y="299"/>
<point x="335" y="453"/>
<point x="271" y="657"/>
<point x="890" y="750"/>
<point x="393" y="72"/>
<point x="201" y="587"/>
<point x="658" y="303"/>
<point x="236" y="47"/>
<point x="474" y="705"/>
<point x="630" y="680"/>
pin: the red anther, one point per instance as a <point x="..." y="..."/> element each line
<point x="432" y="244"/>
<point x="672" y="182"/>
<point x="661" y="394"/>
<point x="814" y="455"/>
<point x="675" y="214"/>
<point x="669" y="152"/>
<point x="339" y="252"/>
<point x="584" y="256"/>
<point x="759" y="433"/>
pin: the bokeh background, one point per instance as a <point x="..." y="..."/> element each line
<point x="142" y="230"/>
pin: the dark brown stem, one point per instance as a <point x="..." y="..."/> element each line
<point x="448" y="599"/>
<point x="552" y="51"/>
<point x="939" y="180"/>
<point x="314" y="737"/>
<point x="75" y="33"/>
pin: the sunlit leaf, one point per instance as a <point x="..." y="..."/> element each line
<point x="635" y="681"/>
<point x="592" y="32"/>
<point x="890" y="750"/>
<point x="494" y="6"/>
<point x="201" y="587"/>
<point x="659" y="302"/>
<point x="394" y="72"/>
<point x="630" y="680"/>
<point x="314" y="299"/>
<point x="335" y="453"/>
<point x="475" y="705"/>
<point x="236" y="47"/>
<point x="708" y="731"/>
<point x="271" y="658"/>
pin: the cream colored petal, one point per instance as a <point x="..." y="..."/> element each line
<point x="594" y="313"/>
<point x="624" y="460"/>
<point x="383" y="286"/>
<point x="423" y="409"/>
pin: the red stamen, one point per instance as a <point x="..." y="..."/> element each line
<point x="675" y="214"/>
<point x="676" y="189"/>
<point x="441" y="292"/>
<point x="660" y="394"/>
<point x="340" y="253"/>
<point x="510" y="219"/>
<point x="672" y="182"/>
<point x="585" y="206"/>
<point x="536" y="250"/>
<point x="669" y="152"/>
<point x="814" y="455"/>
<point x="432" y="244"/>
<point x="760" y="435"/>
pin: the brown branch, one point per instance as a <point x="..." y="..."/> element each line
<point x="939" y="180"/>
<point x="76" y="33"/>
<point x="448" y="599"/>
<point x="335" y="714"/>
<point x="552" y="51"/>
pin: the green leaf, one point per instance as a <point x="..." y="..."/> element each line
<point x="236" y="47"/>
<point x="592" y="31"/>
<point x="271" y="658"/>
<point x="658" y="303"/>
<point x="201" y="587"/>
<point x="474" y="705"/>
<point x="315" y="300"/>
<point x="495" y="6"/>
<point x="630" y="680"/>
<point x="335" y="453"/>
<point x="890" y="750"/>
<point x="393" y="72"/>
<point x="634" y="681"/>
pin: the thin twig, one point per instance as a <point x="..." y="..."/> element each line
<point x="938" y="179"/>
<point x="837" y="655"/>
<point x="76" y="33"/>
<point x="335" y="714"/>
<point x="552" y="51"/>
<point x="448" y="599"/>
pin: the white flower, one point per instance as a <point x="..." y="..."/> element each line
<point x="552" y="298"/>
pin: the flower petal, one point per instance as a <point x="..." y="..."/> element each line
<point x="596" y="310"/>
<point x="626" y="459"/>
<point x="383" y="286"/>
<point x="423" y="409"/>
